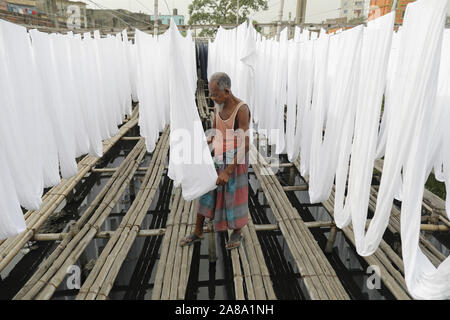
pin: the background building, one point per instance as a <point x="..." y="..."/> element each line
<point x="63" y="10"/>
<point x="379" y="8"/>
<point x="20" y="6"/>
<point x="120" y="18"/>
<point x="165" y="19"/>
<point x="352" y="9"/>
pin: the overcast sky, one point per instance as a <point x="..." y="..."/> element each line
<point x="316" y="11"/>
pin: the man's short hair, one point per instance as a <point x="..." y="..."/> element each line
<point x="222" y="79"/>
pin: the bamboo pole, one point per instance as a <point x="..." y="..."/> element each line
<point x="131" y="138"/>
<point x="328" y="286"/>
<point x="161" y="267"/>
<point x="10" y="247"/>
<point x="331" y="240"/>
<point x="187" y="254"/>
<point x="386" y="277"/>
<point x="148" y="195"/>
<point x="174" y="283"/>
<point x="301" y="259"/>
<point x="247" y="274"/>
<point x="112" y="170"/>
<point x="296" y="188"/>
<point x="260" y="264"/>
<point x="108" y="266"/>
<point x="169" y="266"/>
<point x="390" y="276"/>
<point x="76" y="246"/>
<point x="48" y="262"/>
<point x="237" y="274"/>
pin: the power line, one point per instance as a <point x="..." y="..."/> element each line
<point x="168" y="9"/>
<point x="165" y="1"/>
<point x="111" y="13"/>
<point x="312" y="15"/>
<point x="143" y="5"/>
<point x="118" y="12"/>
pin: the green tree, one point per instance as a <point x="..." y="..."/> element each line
<point x="222" y="12"/>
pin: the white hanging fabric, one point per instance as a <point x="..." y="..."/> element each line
<point x="375" y="55"/>
<point x="66" y="70"/>
<point x="152" y="90"/>
<point x="12" y="221"/>
<point x="410" y="145"/>
<point x="20" y="115"/>
<point x="333" y="149"/>
<point x="276" y="135"/>
<point x="53" y="110"/>
<point x="190" y="161"/>
<point x="292" y="87"/>
<point x="83" y="86"/>
<point x="61" y="121"/>
<point x="421" y="41"/>
<point x="302" y="140"/>
<point x="442" y="166"/>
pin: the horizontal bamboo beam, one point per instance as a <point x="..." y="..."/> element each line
<point x="130" y="138"/>
<point x="312" y="224"/>
<point x="433" y="227"/>
<point x="111" y="170"/>
<point x="108" y="234"/>
<point x="302" y="187"/>
<point x="280" y="165"/>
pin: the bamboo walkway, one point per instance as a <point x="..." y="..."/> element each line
<point x="249" y="267"/>
<point x="101" y="279"/>
<point x="389" y="261"/>
<point x="10" y="247"/>
<point x="175" y="261"/>
<point x="316" y="272"/>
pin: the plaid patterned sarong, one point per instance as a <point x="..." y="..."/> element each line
<point x="227" y="205"/>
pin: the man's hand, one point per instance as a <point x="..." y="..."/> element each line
<point x="223" y="178"/>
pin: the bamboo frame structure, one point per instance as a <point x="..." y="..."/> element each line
<point x="174" y="263"/>
<point x="10" y="247"/>
<point x="53" y="270"/>
<point x="384" y="257"/>
<point x="316" y="272"/>
<point x="101" y="278"/>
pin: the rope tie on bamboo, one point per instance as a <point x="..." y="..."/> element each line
<point x="309" y="276"/>
<point x="129" y="226"/>
<point x="83" y="291"/>
<point x="318" y="275"/>
<point x="57" y="194"/>
<point x="138" y="228"/>
<point x="101" y="294"/>
<point x="93" y="226"/>
<point x="33" y="231"/>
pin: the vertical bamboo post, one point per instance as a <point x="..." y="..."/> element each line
<point x="212" y="243"/>
<point x="331" y="239"/>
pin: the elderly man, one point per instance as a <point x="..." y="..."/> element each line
<point x="227" y="205"/>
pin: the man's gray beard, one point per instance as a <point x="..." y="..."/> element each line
<point x="219" y="107"/>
